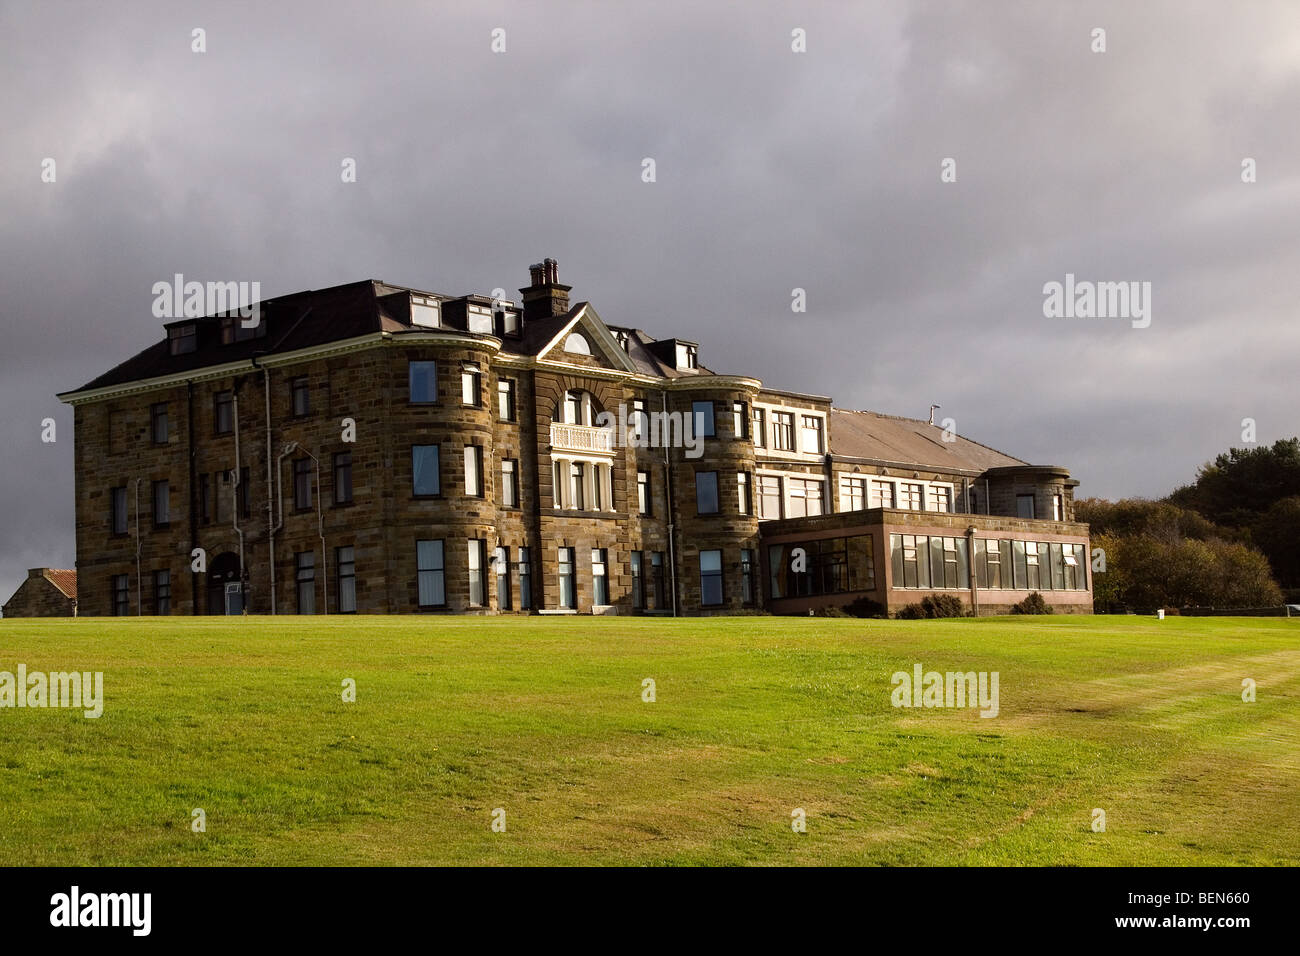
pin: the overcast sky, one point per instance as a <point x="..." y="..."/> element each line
<point x="775" y="170"/>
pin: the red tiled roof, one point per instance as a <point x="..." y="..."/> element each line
<point x="64" y="580"/>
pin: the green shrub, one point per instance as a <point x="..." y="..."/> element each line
<point x="831" y="611"/>
<point x="865" y="607"/>
<point x="943" y="605"/>
<point x="1034" y="604"/>
<point x="910" y="612"/>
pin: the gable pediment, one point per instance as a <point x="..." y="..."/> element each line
<point x="586" y="340"/>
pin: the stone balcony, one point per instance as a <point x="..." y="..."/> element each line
<point x="582" y="438"/>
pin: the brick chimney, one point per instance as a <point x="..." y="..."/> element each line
<point x="545" y="297"/>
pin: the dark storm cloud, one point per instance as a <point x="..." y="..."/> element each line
<point x="775" y="170"/>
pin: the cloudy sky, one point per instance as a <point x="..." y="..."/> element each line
<point x="775" y="170"/>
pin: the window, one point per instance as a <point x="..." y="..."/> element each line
<point x="305" y="575"/>
<point x="505" y="322"/>
<point x="882" y="494"/>
<point x="525" y="580"/>
<point x="706" y="492"/>
<point x="342" y="477"/>
<point x="474" y="471"/>
<point x="158" y="423"/>
<point x="687" y="356"/>
<point x="833" y="566"/>
<point x="568" y="595"/>
<point x="346" y="565"/>
<point x="640" y="420"/>
<point x="702" y="423"/>
<point x="659" y="580"/>
<point x="301" y="397"/>
<point x="121" y="595"/>
<point x="572" y="408"/>
<point x="710" y="578"/>
<point x="1071" y="568"/>
<point x="928" y="562"/>
<point x="1058" y="512"/>
<point x="509" y="483"/>
<point x="576" y="344"/>
<point x="471" y="384"/>
<point x="747" y="580"/>
<point x="233" y="330"/>
<point x="423" y="382"/>
<point x="769" y="496"/>
<point x="941" y="497"/>
<point x="1058" y="567"/>
<point x="911" y="496"/>
<point x="638" y="580"/>
<point x="425" y="479"/>
<point x="430" y="574"/>
<point x="783" y="431"/>
<point x="577" y="473"/>
<point x="425" y="311"/>
<point x="302" y="483"/>
<point x="242" y="492"/>
<point x="599" y="579"/>
<point x="812" y="435"/>
<point x="506" y="400"/>
<point x="162" y="592"/>
<point x="501" y="565"/>
<point x="117" y="514"/>
<point x="479" y="320"/>
<point x="744" y="494"/>
<point x="643" y="492"/>
<point x="1033" y="578"/>
<point x="739" y="421"/>
<point x="223" y="418"/>
<point x="477" y="558"/>
<point x="805" y="497"/>
<point x="759" y="430"/>
<point x="182" y="338"/>
<point x="1024" y="506"/>
<point x="853" y="494"/>
<point x="205" y="498"/>
<point x="161" y="504"/>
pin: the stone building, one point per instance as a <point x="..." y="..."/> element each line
<point x="47" y="592"/>
<point x="375" y="448"/>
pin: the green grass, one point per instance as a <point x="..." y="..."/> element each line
<point x="754" y="717"/>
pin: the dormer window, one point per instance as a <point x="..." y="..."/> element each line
<point x="479" y="319"/>
<point x="687" y="355"/>
<point x="505" y="322"/>
<point x="182" y="338"/>
<point x="425" y="312"/>
<point x="622" y="339"/>
<point x="233" y="330"/>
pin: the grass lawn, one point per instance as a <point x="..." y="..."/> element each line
<point x="753" y="718"/>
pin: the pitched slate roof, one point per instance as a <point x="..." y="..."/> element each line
<point x="295" y="321"/>
<point x="908" y="441"/>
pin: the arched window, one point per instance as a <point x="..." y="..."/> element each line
<point x="577" y="344"/>
<point x="577" y="408"/>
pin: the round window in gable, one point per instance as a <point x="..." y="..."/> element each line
<point x="577" y="344"/>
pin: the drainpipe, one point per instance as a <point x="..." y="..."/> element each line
<point x="272" y="528"/>
<point x="986" y="497"/>
<point x="970" y="571"/>
<point x="668" y="500"/>
<point x="139" y="586"/>
<point x="320" y="529"/>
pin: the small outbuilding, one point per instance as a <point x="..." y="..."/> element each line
<point x="47" y="592"/>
